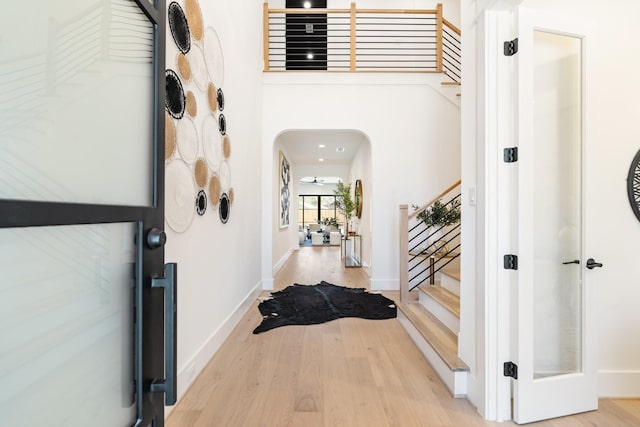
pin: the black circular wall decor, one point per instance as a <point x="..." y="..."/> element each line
<point x="224" y="208"/>
<point x="220" y="99"/>
<point x="633" y="185"/>
<point x="201" y="202"/>
<point x="179" y="27"/>
<point x="222" y="123"/>
<point x="174" y="99"/>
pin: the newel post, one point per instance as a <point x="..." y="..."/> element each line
<point x="439" y="23"/>
<point x="265" y="35"/>
<point x="403" y="233"/>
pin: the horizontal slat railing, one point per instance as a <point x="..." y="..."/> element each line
<point x="451" y="51"/>
<point x="422" y="254"/>
<point x="357" y="40"/>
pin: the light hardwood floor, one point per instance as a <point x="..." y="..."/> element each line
<point x="348" y="372"/>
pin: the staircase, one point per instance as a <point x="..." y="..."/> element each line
<point x="433" y="322"/>
<point x="430" y="295"/>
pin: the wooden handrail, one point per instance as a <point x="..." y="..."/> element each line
<point x="452" y="27"/>
<point x="312" y="11"/>
<point x="439" y="38"/>
<point x="432" y="201"/>
<point x="265" y="35"/>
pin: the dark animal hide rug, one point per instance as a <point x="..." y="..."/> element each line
<point x="310" y="305"/>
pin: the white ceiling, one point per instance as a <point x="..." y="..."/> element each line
<point x="302" y="148"/>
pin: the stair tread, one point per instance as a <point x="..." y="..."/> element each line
<point x="445" y="298"/>
<point x="453" y="273"/>
<point x="450" y="83"/>
<point x="440" y="338"/>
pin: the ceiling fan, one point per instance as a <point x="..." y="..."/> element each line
<point x="316" y="180"/>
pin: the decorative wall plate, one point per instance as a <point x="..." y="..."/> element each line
<point x="184" y="68"/>
<point x="194" y="17"/>
<point x="633" y="185"/>
<point x="215" y="190"/>
<point x="191" y="104"/>
<point x="226" y="146"/>
<point x="201" y="203"/>
<point x="201" y="173"/>
<point x="222" y="124"/>
<point x="179" y="27"/>
<point x="211" y="142"/>
<point x="224" y="208"/>
<point x="169" y="137"/>
<point x="225" y="176"/>
<point x="180" y="192"/>
<point x="213" y="56"/>
<point x="174" y="98"/>
<point x="187" y="139"/>
<point x="198" y="68"/>
<point x="220" y="96"/>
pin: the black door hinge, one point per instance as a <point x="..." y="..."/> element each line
<point x="511" y="47"/>
<point x="511" y="370"/>
<point x="510" y="262"/>
<point x="510" y="154"/>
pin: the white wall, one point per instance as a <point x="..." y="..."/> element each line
<point x="219" y="265"/>
<point x="414" y="134"/>
<point x="361" y="169"/>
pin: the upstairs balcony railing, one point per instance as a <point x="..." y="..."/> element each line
<point x="361" y="40"/>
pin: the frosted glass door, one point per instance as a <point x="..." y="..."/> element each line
<point x="66" y="326"/>
<point x="554" y="345"/>
<point x="81" y="215"/>
<point x="76" y="87"/>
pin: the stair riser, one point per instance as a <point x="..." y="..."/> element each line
<point x="456" y="381"/>
<point x="449" y="319"/>
<point x="450" y="284"/>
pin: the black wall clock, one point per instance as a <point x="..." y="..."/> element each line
<point x="633" y="185"/>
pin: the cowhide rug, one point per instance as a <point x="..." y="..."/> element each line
<point x="310" y="305"/>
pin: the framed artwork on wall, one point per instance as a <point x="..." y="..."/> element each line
<point x="285" y="194"/>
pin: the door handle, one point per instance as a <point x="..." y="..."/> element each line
<point x="591" y="264"/>
<point x="575" y="261"/>
<point x="169" y="386"/>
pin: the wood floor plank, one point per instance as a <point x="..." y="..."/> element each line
<point x="348" y="372"/>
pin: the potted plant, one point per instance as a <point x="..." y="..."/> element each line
<point x="436" y="217"/>
<point x="345" y="203"/>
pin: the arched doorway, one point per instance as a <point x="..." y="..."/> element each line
<point x="345" y="154"/>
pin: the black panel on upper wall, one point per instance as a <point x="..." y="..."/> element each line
<point x="306" y="37"/>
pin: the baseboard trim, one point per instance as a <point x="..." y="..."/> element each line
<point x="281" y="262"/>
<point x="619" y="384"/>
<point x="385" y="285"/>
<point x="194" y="366"/>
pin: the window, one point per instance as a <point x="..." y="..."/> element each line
<point x="312" y="209"/>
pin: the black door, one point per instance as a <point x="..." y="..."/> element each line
<point x="306" y="37"/>
<point x="84" y="289"/>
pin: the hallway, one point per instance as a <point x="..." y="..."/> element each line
<point x="348" y="372"/>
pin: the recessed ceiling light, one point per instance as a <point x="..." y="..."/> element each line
<point x="340" y="149"/>
<point x="309" y="55"/>
<point x="321" y="145"/>
<point x="307" y="4"/>
<point x="321" y="159"/>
